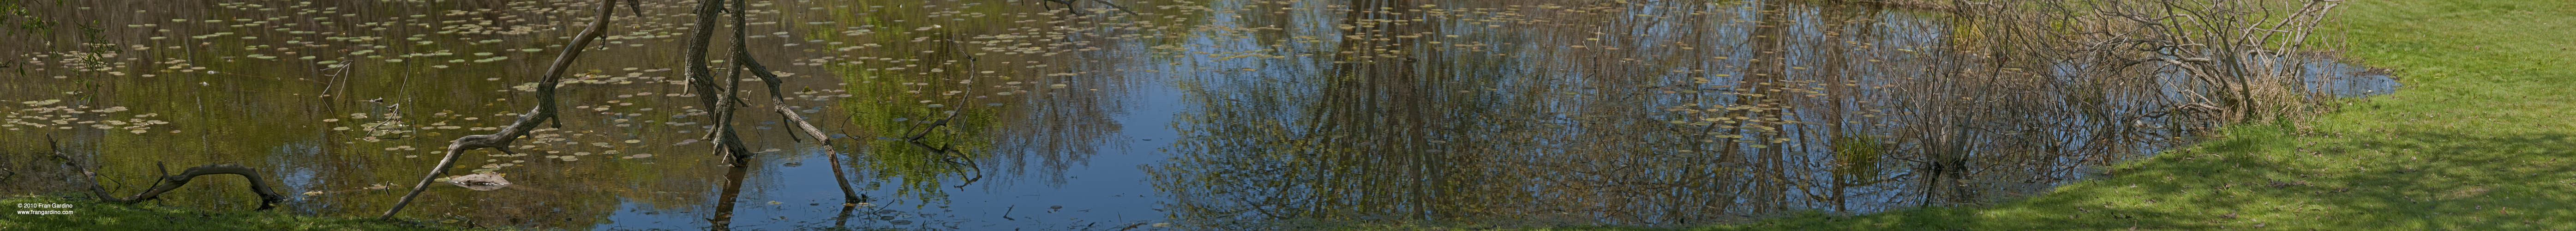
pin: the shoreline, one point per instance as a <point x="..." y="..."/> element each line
<point x="2481" y="137"/>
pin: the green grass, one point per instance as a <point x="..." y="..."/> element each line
<point x="95" y="215"/>
<point x="2482" y="138"/>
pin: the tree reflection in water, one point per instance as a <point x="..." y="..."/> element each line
<point x="1636" y="112"/>
<point x="1649" y="113"/>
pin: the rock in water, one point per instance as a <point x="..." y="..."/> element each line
<point x="480" y="181"/>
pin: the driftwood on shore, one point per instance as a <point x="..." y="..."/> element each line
<point x="268" y="198"/>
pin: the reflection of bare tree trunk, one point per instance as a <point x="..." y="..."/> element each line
<point x="725" y="201"/>
<point x="1377" y="94"/>
<point x="1345" y="95"/>
<point x="1762" y="74"/>
<point x="1835" y="56"/>
<point x="1838" y="70"/>
<point x="844" y="219"/>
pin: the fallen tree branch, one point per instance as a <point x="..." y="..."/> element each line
<point x="268" y="198"/>
<point x="545" y="110"/>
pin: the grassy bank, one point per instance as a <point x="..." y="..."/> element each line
<point x="2482" y="138"/>
<point x="93" y="215"/>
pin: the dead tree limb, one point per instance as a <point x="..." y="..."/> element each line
<point x="728" y="143"/>
<point x="268" y="198"/>
<point x="703" y="81"/>
<point x="848" y="196"/>
<point x="743" y="61"/>
<point x="545" y="110"/>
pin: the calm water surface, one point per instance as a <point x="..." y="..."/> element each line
<point x="1150" y="115"/>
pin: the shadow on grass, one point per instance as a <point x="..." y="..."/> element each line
<point x="2451" y="180"/>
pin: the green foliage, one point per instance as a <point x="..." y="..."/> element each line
<point x="15" y="15"/>
<point x="1858" y="156"/>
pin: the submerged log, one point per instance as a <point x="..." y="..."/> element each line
<point x="480" y="181"/>
<point x="268" y="198"/>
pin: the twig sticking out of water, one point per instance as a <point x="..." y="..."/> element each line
<point x="545" y="110"/>
<point x="849" y="197"/>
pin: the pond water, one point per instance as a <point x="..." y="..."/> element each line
<point x="1146" y="115"/>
